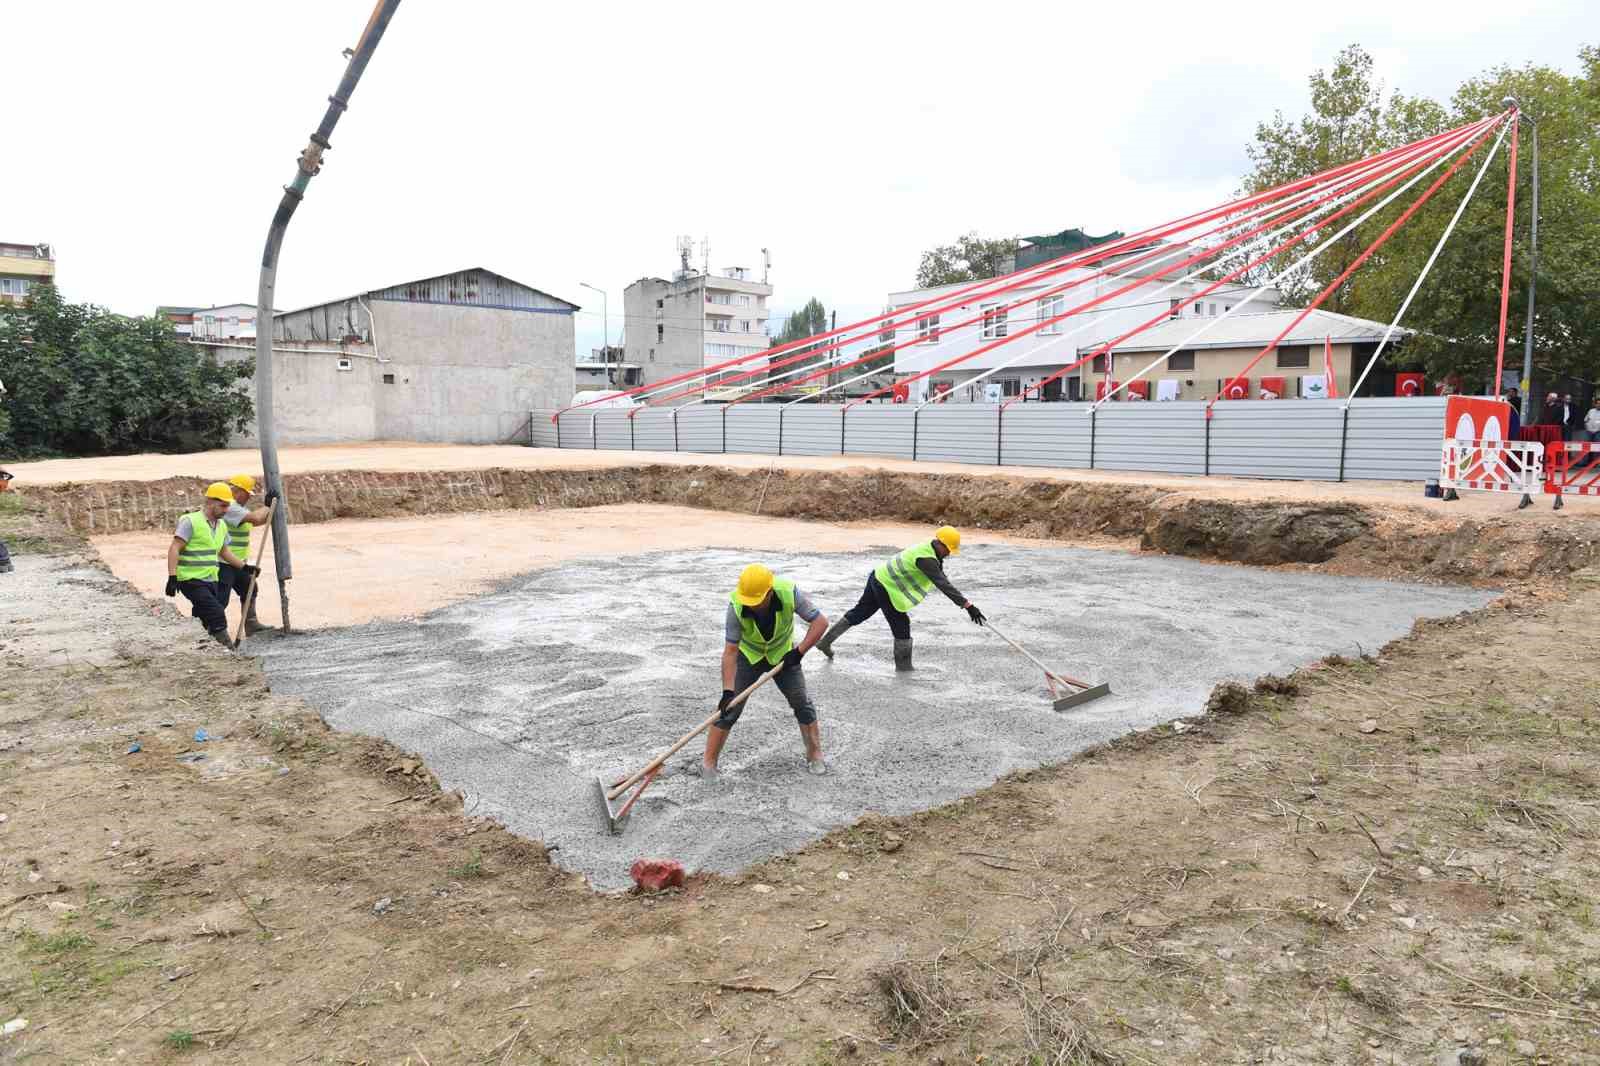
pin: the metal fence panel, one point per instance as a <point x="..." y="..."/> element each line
<point x="652" y="430"/>
<point x="753" y="427"/>
<point x="700" y="428"/>
<point x="612" y="430"/>
<point x="1162" y="437"/>
<point x="542" y="431"/>
<point x="1395" y="438"/>
<point x="1045" y="434"/>
<point x="959" y="433"/>
<point x="1276" y="439"/>
<point x="875" y="430"/>
<point x="577" y="429"/>
<point x="811" y="429"/>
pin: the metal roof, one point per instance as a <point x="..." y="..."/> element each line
<point x="1253" y="331"/>
<point x="462" y="287"/>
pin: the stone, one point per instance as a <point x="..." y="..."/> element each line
<point x="1369" y="725"/>
<point x="382" y="905"/>
<point x="1525" y="1048"/>
<point x="58" y="907"/>
<point x="891" y="842"/>
<point x="1225" y="954"/>
<point x="763" y="889"/>
<point x="653" y="875"/>
<point x="843" y="876"/>
<point x="1423" y="871"/>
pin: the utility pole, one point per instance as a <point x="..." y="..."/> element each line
<point x="1533" y="270"/>
<point x="310" y="163"/>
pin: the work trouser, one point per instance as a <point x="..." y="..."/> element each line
<point x="875" y="598"/>
<point x="792" y="683"/>
<point x="232" y="579"/>
<point x="207" y="599"/>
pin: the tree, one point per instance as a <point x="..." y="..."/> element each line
<point x="1457" y="309"/>
<point x="84" y="381"/>
<point x="970" y="258"/>
<point x="806" y="322"/>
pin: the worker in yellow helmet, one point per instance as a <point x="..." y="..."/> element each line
<point x="901" y="583"/>
<point x="199" y="545"/>
<point x="241" y="520"/>
<point x="758" y="634"/>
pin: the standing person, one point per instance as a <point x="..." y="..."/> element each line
<point x="199" y="543"/>
<point x="240" y="522"/>
<point x="1571" y="418"/>
<point x="758" y="634"/>
<point x="1554" y="415"/>
<point x="898" y="585"/>
<point x="1514" y="401"/>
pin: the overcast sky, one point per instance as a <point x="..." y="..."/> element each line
<point x="567" y="143"/>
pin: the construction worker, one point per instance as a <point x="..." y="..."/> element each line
<point x="758" y="634"/>
<point x="198" y="544"/>
<point x="240" y="521"/>
<point x="900" y="584"/>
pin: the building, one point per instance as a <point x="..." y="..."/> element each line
<point x="23" y="266"/>
<point x="460" y="358"/>
<point x="1203" y="365"/>
<point x="938" y="337"/>
<point x="227" y="322"/>
<point x="182" y="319"/>
<point x="607" y="369"/>
<point x="695" y="321"/>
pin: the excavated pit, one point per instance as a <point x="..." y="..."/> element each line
<point x="519" y="698"/>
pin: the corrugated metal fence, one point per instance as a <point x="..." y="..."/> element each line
<point x="1381" y="439"/>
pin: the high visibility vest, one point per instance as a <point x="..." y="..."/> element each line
<point x="239" y="539"/>
<point x="197" y="560"/>
<point x="906" y="585"/>
<point x="757" y="647"/>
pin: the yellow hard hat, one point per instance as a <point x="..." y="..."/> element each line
<point x="755" y="581"/>
<point x="950" y="537"/>
<point x="243" y="481"/>
<point x="218" y="490"/>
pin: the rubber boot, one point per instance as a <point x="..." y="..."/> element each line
<point x="837" y="630"/>
<point x="812" y="735"/>
<point x="902" y="655"/>
<point x="221" y="637"/>
<point x="252" y="625"/>
<point x="716" y="736"/>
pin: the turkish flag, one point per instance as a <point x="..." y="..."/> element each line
<point x="902" y="392"/>
<point x="1274" y="386"/>
<point x="1408" y="384"/>
<point x="1237" y="389"/>
<point x="1140" y="389"/>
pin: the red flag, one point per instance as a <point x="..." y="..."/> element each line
<point x="1327" y="368"/>
<point x="1408" y="384"/>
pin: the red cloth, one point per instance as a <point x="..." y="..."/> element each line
<point x="652" y="875"/>
<point x="1101" y="388"/>
<point x="1140" y="389"/>
<point x="1546" y="435"/>
<point x="1408" y="384"/>
<point x="1275" y="386"/>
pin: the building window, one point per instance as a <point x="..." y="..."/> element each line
<point x="742" y="299"/>
<point x="1099" y="365"/>
<point x="661" y="332"/>
<point x="346" y="364"/>
<point x="1010" y="386"/>
<point x="928" y="329"/>
<point x="1180" y="361"/>
<point x="388" y="379"/>
<point x="720" y="325"/>
<point x="1172" y="308"/>
<point x="1050" y="307"/>
<point x="1294" y="358"/>
<point x="1213" y="310"/>
<point x="994" y="321"/>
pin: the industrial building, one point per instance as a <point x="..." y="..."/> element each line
<point x="23" y="266"/>
<point x="696" y="320"/>
<point x="457" y="358"/>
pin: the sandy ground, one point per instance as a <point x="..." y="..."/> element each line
<point x="354" y="571"/>
<point x="521" y="699"/>
<point x="401" y="457"/>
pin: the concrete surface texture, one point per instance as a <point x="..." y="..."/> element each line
<point x="400" y="456"/>
<point x="521" y="697"/>
<point x="354" y="571"/>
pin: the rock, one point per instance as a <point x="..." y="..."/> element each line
<point x="843" y="876"/>
<point x="1407" y="920"/>
<point x="1398" y="907"/>
<point x="15" y="1025"/>
<point x="1525" y="1048"/>
<point x="653" y="875"/>
<point x="4" y="818"/>
<point x="763" y="889"/>
<point x="891" y="842"/>
<point x="1370" y="725"/>
<point x="1423" y="871"/>
<point x="382" y="905"/>
<point x="1225" y="954"/>
<point x="1466" y="1056"/>
<point x="34" y="877"/>
<point x="58" y="907"/>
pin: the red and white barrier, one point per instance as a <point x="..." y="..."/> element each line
<point x="1492" y="466"/>
<point x="1574" y="469"/>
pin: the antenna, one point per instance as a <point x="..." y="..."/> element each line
<point x="766" y="265"/>
<point x="685" y="250"/>
<point x="705" y="256"/>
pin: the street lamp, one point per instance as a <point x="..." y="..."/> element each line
<point x="1533" y="267"/>
<point x="605" y="313"/>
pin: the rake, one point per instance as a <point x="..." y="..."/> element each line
<point x="1076" y="691"/>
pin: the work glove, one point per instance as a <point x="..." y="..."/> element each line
<point x="975" y="614"/>
<point x="791" y="659"/>
<point x="273" y="496"/>
<point x="172" y="584"/>
<point x="252" y="572"/>
<point x="727" y="698"/>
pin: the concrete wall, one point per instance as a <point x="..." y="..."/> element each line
<point x="448" y="374"/>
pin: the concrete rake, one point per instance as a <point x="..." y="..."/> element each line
<point x="1076" y="691"/>
<point x="609" y="796"/>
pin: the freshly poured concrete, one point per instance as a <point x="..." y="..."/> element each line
<point x="521" y="697"/>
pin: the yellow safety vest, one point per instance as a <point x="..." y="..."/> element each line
<point x="906" y="585"/>
<point x="757" y="647"/>
<point x="197" y="560"/>
<point x="239" y="539"/>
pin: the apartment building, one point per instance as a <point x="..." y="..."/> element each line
<point x="23" y="266"/>
<point x="694" y="321"/>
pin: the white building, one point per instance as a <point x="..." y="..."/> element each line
<point x="695" y="321"/>
<point x="975" y="322"/>
<point x="227" y="322"/>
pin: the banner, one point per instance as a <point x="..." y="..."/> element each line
<point x="1408" y="384"/>
<point x="1314" y="387"/>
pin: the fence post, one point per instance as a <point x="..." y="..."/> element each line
<point x="1208" y="442"/>
<point x="531" y="415"/>
<point x="1344" y="438"/>
<point x="1094" y="416"/>
<point x="781" y="410"/>
<point x="632" y="447"/>
<point x="916" y="416"/>
<point x="675" y="447"/>
<point x="558" y="432"/>
<point x="724" y="429"/>
<point x="999" y="430"/>
<point x="594" y="438"/>
<point x="841" y="429"/>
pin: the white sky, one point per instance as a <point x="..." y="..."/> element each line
<point x="559" y="143"/>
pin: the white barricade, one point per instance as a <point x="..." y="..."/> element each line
<point x="1492" y="466"/>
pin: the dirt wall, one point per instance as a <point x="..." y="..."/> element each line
<point x="1340" y="537"/>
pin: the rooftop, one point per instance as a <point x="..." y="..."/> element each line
<point x="1252" y="330"/>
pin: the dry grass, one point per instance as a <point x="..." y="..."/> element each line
<point x="919" y="1006"/>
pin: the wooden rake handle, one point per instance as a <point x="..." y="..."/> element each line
<point x="655" y="764"/>
<point x="1048" y="673"/>
<point x="249" y="597"/>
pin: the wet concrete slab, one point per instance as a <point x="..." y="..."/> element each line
<point x="521" y="697"/>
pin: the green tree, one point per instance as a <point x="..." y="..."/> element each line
<point x="806" y="322"/>
<point x="84" y="381"/>
<point x="970" y="258"/>
<point x="1457" y="309"/>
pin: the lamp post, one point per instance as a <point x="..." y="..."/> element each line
<point x="605" y="313"/>
<point x="1533" y="267"/>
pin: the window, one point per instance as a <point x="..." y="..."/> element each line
<point x="660" y="304"/>
<point x="1099" y="365"/>
<point x="994" y="321"/>
<point x="1010" y="386"/>
<point x="346" y="364"/>
<point x="388" y="379"/>
<point x="719" y="297"/>
<point x="1050" y="307"/>
<point x="742" y="299"/>
<point x="721" y="325"/>
<point x="726" y="351"/>
<point x="746" y="326"/>
<point x="1292" y="358"/>
<point x="661" y="333"/>
<point x="1172" y="308"/>
<point x="928" y="329"/>
<point x="1180" y="361"/>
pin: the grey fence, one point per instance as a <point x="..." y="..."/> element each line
<point x="1313" y="440"/>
